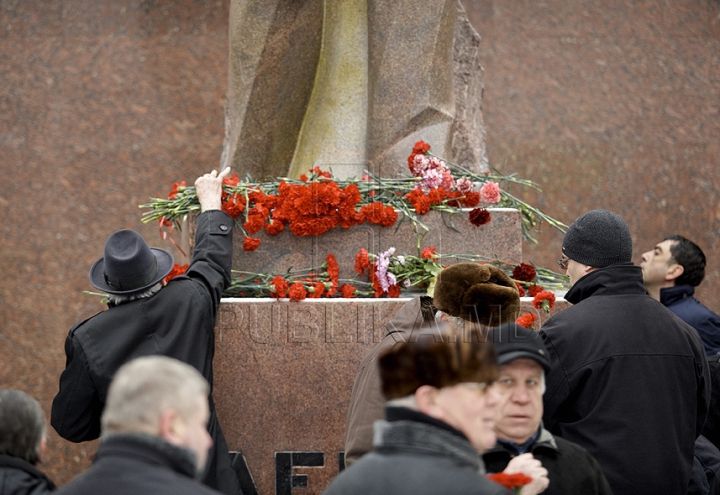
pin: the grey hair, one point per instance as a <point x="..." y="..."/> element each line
<point x="22" y="425"/>
<point x="116" y="299"/>
<point x="146" y="387"/>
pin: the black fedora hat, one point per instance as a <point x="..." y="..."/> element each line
<point x="513" y="341"/>
<point x="129" y="264"/>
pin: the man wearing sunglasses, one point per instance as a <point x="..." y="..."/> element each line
<point x="629" y="380"/>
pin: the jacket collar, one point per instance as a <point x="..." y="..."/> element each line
<point x="148" y="449"/>
<point x="9" y="461"/>
<point x="425" y="437"/>
<point x="617" y="279"/>
<point x="545" y="440"/>
<point x="409" y="321"/>
<point x="672" y="295"/>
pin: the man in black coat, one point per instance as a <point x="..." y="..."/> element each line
<point x="154" y="437"/>
<point x="629" y="379"/>
<point x="22" y="443"/>
<point x="523" y="362"/>
<point x="148" y="317"/>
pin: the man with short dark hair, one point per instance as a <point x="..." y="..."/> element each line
<point x="629" y="380"/>
<point x="148" y="316"/>
<point x="523" y="362"/>
<point x="22" y="443"/>
<point x="155" y="439"/>
<point x="671" y="271"/>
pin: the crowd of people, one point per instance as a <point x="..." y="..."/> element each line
<point x="615" y="394"/>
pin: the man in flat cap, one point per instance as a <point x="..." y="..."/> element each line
<point x="481" y="294"/>
<point x="523" y="362"/>
<point x="147" y="316"/>
<point x="628" y="379"/>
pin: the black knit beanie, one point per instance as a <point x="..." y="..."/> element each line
<point x="598" y="238"/>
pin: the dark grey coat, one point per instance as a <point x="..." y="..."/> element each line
<point x="19" y="477"/>
<point x="138" y="464"/>
<point x="416" y="455"/>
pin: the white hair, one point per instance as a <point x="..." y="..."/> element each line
<point x="116" y="299"/>
<point x="146" y="387"/>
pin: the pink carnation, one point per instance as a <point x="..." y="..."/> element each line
<point x="464" y="185"/>
<point x="490" y="192"/>
<point x="447" y="180"/>
<point x="420" y="164"/>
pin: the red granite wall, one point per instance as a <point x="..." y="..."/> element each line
<point x="612" y="104"/>
<point x="104" y="103"/>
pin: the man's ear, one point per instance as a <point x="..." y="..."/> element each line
<point x="172" y="427"/>
<point x="674" y="271"/>
<point x="43" y="448"/>
<point x="426" y="400"/>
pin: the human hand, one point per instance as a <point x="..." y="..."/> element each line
<point x="208" y="189"/>
<point x="531" y="467"/>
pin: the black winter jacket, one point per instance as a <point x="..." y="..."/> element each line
<point x="138" y="464"/>
<point x="19" y="477"/>
<point x="178" y="322"/>
<point x="571" y="470"/>
<point x="629" y="382"/>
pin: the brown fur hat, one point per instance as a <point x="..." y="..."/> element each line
<point x="480" y="293"/>
<point x="440" y="360"/>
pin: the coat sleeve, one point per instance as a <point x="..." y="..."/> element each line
<point x="367" y="405"/>
<point x="212" y="255"/>
<point x="557" y="387"/>
<point x="76" y="408"/>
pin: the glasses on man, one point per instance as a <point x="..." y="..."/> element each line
<point x="563" y="263"/>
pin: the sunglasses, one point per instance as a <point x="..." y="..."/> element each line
<point x="563" y="263"/>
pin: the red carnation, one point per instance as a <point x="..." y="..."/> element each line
<point x="436" y="196"/>
<point x="280" y="285"/>
<point x="452" y="198"/>
<point x="348" y="291"/>
<point x="524" y="272"/>
<point x="250" y="244"/>
<point x="231" y="181"/>
<point x="175" y="189"/>
<point x="394" y="291"/>
<point x="471" y="200"/>
<point x="514" y="480"/>
<point x="421" y="147"/>
<point x="479" y="216"/>
<point x="527" y="320"/>
<point x="420" y="202"/>
<point x="316" y="290"/>
<point x="520" y="289"/>
<point x="297" y="292"/>
<point x="533" y="290"/>
<point x="544" y="300"/>
<point x="176" y="271"/>
<point x="429" y="253"/>
<point x="233" y="206"/>
<point x="333" y="270"/>
<point x="274" y="227"/>
<point x="256" y="219"/>
<point x="362" y="262"/>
